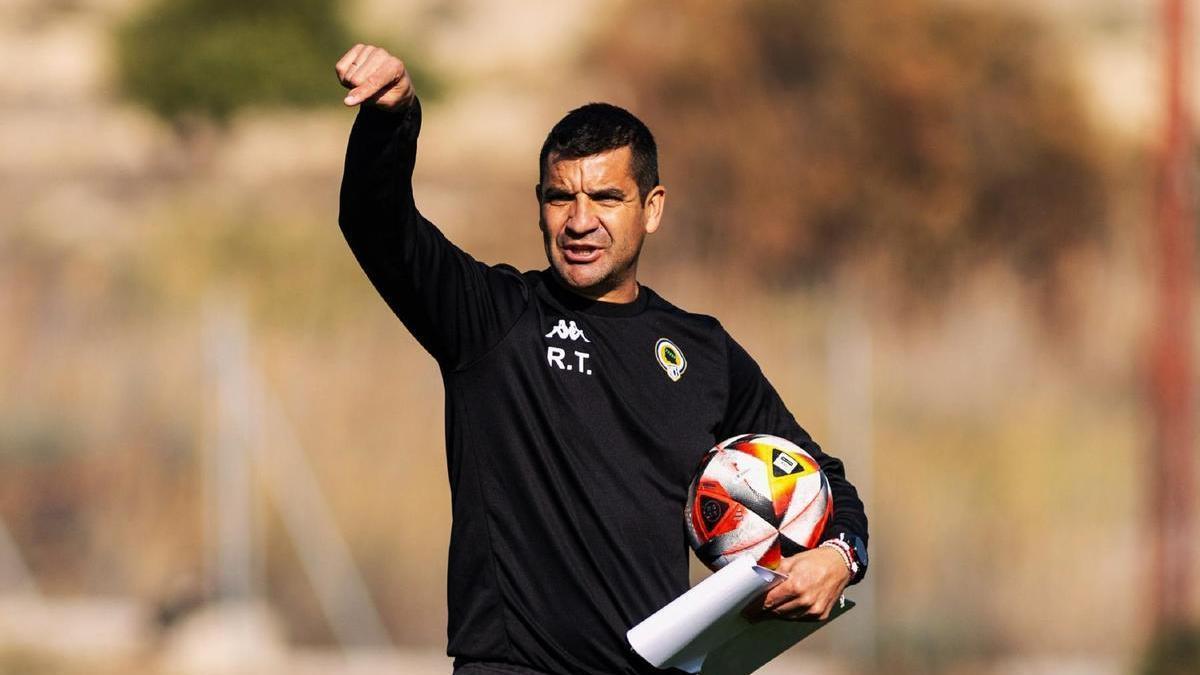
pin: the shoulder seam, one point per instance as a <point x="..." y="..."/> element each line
<point x="528" y="293"/>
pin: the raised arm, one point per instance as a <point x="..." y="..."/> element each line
<point x="455" y="306"/>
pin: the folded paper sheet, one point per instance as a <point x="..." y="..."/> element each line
<point x="703" y="629"/>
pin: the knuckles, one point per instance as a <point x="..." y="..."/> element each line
<point x="387" y="68"/>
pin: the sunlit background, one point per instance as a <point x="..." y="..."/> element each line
<point x="932" y="222"/>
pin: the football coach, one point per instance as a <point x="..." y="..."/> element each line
<point x="571" y="432"/>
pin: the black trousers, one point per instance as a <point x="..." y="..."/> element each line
<point x="497" y="668"/>
<point x="491" y="668"/>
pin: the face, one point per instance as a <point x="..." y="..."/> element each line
<point x="594" y="221"/>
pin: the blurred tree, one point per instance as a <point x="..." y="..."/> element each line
<point x="191" y="60"/>
<point x="1174" y="651"/>
<point x="918" y="137"/>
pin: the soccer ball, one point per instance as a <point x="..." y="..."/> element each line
<point x="756" y="495"/>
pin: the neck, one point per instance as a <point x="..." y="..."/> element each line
<point x="622" y="294"/>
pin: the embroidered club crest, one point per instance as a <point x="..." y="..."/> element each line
<point x="670" y="358"/>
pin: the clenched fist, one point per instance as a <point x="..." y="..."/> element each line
<point x="374" y="76"/>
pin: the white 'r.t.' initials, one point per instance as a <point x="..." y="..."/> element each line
<point x="583" y="357"/>
<point x="556" y="358"/>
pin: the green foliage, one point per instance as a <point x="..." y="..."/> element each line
<point x="30" y="436"/>
<point x="208" y="58"/>
<point x="1173" y="652"/>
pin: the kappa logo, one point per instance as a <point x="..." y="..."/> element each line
<point x="567" y="330"/>
<point x="556" y="357"/>
<point x="670" y="357"/>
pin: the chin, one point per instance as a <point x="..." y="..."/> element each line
<point x="581" y="279"/>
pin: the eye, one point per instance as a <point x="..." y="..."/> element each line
<point x="607" y="198"/>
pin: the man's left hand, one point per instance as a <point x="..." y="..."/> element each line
<point x="816" y="579"/>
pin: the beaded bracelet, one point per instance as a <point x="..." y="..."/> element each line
<point x="843" y="550"/>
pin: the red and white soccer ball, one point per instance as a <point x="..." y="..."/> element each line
<point x="756" y="495"/>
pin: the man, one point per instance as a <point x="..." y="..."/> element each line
<point x="570" y="440"/>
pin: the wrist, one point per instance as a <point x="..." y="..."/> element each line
<point x="840" y="555"/>
<point x="853" y="550"/>
<point x="404" y="120"/>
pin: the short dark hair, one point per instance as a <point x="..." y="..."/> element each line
<point x="598" y="127"/>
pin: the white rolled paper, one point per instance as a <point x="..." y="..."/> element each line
<point x="683" y="632"/>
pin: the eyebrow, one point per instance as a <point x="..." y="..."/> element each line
<point x="608" y="193"/>
<point x="552" y="194"/>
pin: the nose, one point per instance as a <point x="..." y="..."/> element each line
<point x="582" y="218"/>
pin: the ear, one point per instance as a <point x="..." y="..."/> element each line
<point x="653" y="208"/>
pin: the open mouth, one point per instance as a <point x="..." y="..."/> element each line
<point x="580" y="254"/>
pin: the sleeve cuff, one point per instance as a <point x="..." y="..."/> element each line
<point x="406" y="121"/>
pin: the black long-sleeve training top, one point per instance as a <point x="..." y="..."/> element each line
<point x="569" y="444"/>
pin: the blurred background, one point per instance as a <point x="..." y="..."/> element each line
<point x="955" y="233"/>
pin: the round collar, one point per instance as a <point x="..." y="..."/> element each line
<point x="578" y="303"/>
